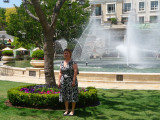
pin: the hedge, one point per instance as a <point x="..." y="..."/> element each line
<point x="7" y="53"/>
<point x="36" y="100"/>
<point x="38" y="54"/>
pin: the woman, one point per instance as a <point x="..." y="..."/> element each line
<point x="67" y="82"/>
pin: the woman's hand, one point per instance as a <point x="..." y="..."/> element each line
<point x="73" y="83"/>
<point x="59" y="84"/>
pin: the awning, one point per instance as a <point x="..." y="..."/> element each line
<point x="21" y="49"/>
<point x="36" y="49"/>
<point x="7" y="48"/>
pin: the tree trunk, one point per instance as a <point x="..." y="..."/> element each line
<point x="48" y="59"/>
<point x="48" y="31"/>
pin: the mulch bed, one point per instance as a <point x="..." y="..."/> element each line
<point x="9" y="104"/>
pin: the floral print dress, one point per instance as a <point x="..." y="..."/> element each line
<point x="67" y="92"/>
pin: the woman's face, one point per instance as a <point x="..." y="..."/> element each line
<point x="67" y="55"/>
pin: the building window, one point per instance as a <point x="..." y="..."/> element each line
<point x="154" y="5"/>
<point x="153" y="19"/>
<point x="111" y="8"/>
<point x="124" y="20"/>
<point x="98" y="10"/>
<point x="141" y="6"/>
<point x="141" y="20"/>
<point x="127" y="7"/>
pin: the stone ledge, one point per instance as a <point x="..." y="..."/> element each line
<point x="103" y="77"/>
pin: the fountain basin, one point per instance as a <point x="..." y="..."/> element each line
<point x="98" y="77"/>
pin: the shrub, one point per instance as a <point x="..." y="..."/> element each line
<point x="38" y="55"/>
<point x="18" y="97"/>
<point x="7" y="53"/>
<point x="113" y="20"/>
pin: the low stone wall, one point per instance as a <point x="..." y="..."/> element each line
<point x="7" y="70"/>
<point x="119" y="77"/>
<point x="85" y="76"/>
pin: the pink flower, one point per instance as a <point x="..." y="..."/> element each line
<point x="48" y="92"/>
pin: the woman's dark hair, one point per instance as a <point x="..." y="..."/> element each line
<point x="68" y="50"/>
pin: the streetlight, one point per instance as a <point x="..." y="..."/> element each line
<point x="23" y="35"/>
<point x="3" y="37"/>
<point x="70" y="5"/>
<point x="81" y="2"/>
<point x="6" y="1"/>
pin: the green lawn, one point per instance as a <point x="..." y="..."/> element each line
<point x="115" y="105"/>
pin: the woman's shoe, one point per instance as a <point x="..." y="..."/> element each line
<point x="71" y="114"/>
<point x="66" y="113"/>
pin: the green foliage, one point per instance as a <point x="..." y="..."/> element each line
<point x="38" y="54"/>
<point x="71" y="45"/>
<point x="22" y="23"/>
<point x="72" y="22"/>
<point x="7" y="53"/>
<point x="2" y="19"/>
<point x="88" y="98"/>
<point x="9" y="11"/>
<point x="20" y="98"/>
<point x="18" y="44"/>
<point x="69" y="25"/>
<point x="113" y="20"/>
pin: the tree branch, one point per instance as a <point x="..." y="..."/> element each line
<point x="56" y="11"/>
<point x="28" y="11"/>
<point x="41" y="15"/>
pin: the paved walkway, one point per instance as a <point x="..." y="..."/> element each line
<point x="108" y="85"/>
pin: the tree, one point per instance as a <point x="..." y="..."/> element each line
<point x="22" y="23"/>
<point x="8" y="12"/>
<point x="18" y="44"/>
<point x="2" y="19"/>
<point x="48" y="32"/>
<point x="52" y="25"/>
<point x="70" y="24"/>
<point x="48" y="28"/>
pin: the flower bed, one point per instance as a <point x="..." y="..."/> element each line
<point x="45" y="96"/>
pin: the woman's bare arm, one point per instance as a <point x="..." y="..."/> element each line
<point x="59" y="77"/>
<point x="75" y="68"/>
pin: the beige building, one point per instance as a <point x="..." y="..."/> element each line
<point x="144" y="11"/>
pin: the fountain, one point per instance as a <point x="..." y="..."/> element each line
<point x="91" y="43"/>
<point x="139" y="43"/>
<point x="137" y="52"/>
<point x="103" y="57"/>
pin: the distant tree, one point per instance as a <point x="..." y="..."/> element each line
<point x="2" y="19"/>
<point x="18" y="44"/>
<point x="22" y="23"/>
<point x="8" y="12"/>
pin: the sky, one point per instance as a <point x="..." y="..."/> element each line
<point x="10" y="4"/>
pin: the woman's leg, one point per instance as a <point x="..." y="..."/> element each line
<point x="73" y="107"/>
<point x="66" y="107"/>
